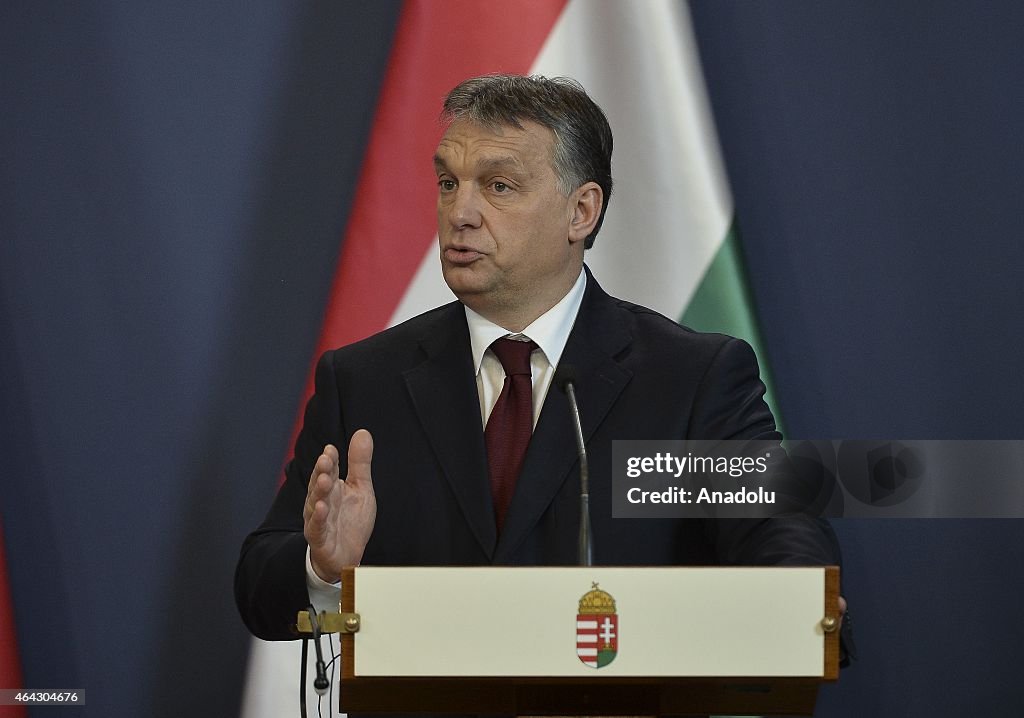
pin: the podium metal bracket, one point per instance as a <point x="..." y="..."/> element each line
<point x="330" y="622"/>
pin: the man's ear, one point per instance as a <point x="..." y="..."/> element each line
<point x="586" y="209"/>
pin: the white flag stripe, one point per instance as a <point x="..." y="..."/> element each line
<point x="592" y="625"/>
<point x="586" y="638"/>
<point x="427" y="289"/>
<point x="273" y="679"/>
<point x="671" y="206"/>
<point x="584" y="652"/>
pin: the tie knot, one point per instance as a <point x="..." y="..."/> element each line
<point x="513" y="355"/>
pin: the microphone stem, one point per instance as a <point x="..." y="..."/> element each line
<point x="586" y="538"/>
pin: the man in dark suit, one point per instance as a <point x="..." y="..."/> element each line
<point x="470" y="465"/>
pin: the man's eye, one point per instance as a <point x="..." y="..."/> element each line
<point x="446" y="185"/>
<point x="500" y="187"/>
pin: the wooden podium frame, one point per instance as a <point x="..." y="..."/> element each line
<point x="577" y="696"/>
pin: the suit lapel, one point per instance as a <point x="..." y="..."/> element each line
<point x="444" y="394"/>
<point x="598" y="335"/>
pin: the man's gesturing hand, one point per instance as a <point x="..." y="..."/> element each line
<point x="339" y="515"/>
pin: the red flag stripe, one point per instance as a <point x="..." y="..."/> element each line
<point x="392" y="222"/>
<point x="393" y="218"/>
<point x="10" y="666"/>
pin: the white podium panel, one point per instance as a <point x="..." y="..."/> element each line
<point x="589" y="622"/>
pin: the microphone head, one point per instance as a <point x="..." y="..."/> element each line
<point x="320" y="685"/>
<point x="565" y="374"/>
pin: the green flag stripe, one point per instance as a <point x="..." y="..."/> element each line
<point x="723" y="303"/>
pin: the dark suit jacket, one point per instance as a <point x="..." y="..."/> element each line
<point x="639" y="376"/>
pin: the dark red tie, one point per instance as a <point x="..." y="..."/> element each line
<point x="510" y="424"/>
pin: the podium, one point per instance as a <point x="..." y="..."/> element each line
<point x="586" y="641"/>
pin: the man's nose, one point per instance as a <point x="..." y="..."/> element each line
<point x="464" y="211"/>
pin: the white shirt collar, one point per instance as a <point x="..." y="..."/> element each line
<point x="550" y="330"/>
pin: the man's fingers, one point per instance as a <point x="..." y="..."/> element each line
<point x="319" y="491"/>
<point x="315" y="528"/>
<point x="318" y="519"/>
<point x="322" y="480"/>
<point x="331" y="453"/>
<point x="327" y="462"/>
<point x="360" y="454"/>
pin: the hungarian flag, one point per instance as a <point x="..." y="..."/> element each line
<point x="667" y="241"/>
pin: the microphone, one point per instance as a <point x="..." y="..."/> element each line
<point x="565" y="379"/>
<point x="320" y="683"/>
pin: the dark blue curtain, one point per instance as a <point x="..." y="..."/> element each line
<point x="174" y="183"/>
<point x="873" y="156"/>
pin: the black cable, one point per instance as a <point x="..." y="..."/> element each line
<point x="320" y="683"/>
<point x="302" y="678"/>
<point x="321" y="668"/>
<point x="335" y="657"/>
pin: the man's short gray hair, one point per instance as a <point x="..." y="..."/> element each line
<point x="583" y="140"/>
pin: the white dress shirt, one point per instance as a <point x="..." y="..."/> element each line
<point x="549" y="331"/>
